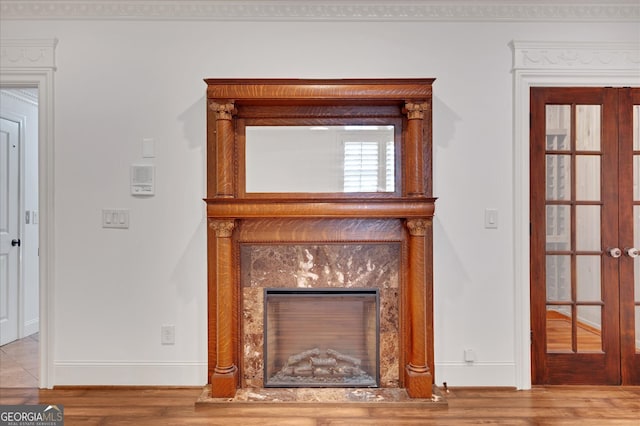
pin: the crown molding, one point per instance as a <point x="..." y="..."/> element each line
<point x="575" y="56"/>
<point x="325" y="10"/>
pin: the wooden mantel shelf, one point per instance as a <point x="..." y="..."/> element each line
<point x="399" y="208"/>
<point x="337" y="92"/>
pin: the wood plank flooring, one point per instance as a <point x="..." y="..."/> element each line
<point x="566" y="405"/>
<point x="583" y="406"/>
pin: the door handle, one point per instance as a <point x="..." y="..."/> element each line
<point x="15" y="243"/>
<point x="614" y="252"/>
<point x="632" y="252"/>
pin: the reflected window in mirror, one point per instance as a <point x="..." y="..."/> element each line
<point x="369" y="159"/>
<point x="320" y="159"/>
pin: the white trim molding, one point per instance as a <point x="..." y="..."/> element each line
<point x="562" y="65"/>
<point x="31" y="63"/>
<point x="331" y="10"/>
<point x="131" y="373"/>
<point x="28" y="53"/>
<point x="475" y="373"/>
<point x="575" y="56"/>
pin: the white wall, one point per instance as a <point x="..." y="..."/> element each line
<point x="118" y="82"/>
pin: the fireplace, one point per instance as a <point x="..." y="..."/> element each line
<point x="368" y="252"/>
<point x="321" y="338"/>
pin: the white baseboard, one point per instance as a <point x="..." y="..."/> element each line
<point x="143" y="373"/>
<point x="31" y="327"/>
<point x="129" y="373"/>
<point x="476" y="374"/>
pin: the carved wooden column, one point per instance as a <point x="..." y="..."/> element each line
<point x="414" y="172"/>
<point x="224" y="145"/>
<point x="417" y="375"/>
<point x="224" y="378"/>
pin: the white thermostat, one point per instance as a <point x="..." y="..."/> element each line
<point x="142" y="179"/>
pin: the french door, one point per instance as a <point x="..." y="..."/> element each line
<point x="585" y="235"/>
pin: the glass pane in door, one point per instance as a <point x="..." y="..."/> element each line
<point x="588" y="127"/>
<point x="559" y="329"/>
<point x="636" y="127"/>
<point x="588" y="228"/>
<point x="558" y="177"/>
<point x="588" y="278"/>
<point x="558" y="218"/>
<point x="558" y="127"/>
<point x="558" y="278"/>
<point x="589" y="325"/>
<point x="588" y="177"/>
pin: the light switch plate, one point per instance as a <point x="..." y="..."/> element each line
<point x="115" y="218"/>
<point x="491" y="218"/>
<point x="148" y="148"/>
<point x="168" y="335"/>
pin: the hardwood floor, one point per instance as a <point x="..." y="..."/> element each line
<point x="558" y="405"/>
<point x="467" y="406"/>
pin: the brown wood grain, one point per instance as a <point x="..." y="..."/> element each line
<point x="570" y="359"/>
<point x="584" y="405"/>
<point x="278" y="218"/>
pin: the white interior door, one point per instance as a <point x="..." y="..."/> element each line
<point x="9" y="229"/>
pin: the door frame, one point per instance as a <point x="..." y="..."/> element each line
<point x="560" y="64"/>
<point x="31" y="63"/>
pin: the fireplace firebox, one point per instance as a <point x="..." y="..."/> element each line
<point x="321" y="338"/>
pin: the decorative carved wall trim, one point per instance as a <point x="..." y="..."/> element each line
<point x="575" y="56"/>
<point x="417" y="227"/>
<point x="349" y="10"/>
<point x="27" y="53"/>
<point x="223" y="111"/>
<point x="222" y="228"/>
<point x="415" y="111"/>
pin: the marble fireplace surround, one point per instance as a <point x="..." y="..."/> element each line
<point x="319" y="266"/>
<point x="358" y="226"/>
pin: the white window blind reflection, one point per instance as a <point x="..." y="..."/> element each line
<point x="361" y="166"/>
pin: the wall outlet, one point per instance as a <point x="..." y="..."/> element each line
<point x="168" y="335"/>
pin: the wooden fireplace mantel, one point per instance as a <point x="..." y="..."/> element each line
<point x="233" y="212"/>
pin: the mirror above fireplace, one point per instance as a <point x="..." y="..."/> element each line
<point x="320" y="158"/>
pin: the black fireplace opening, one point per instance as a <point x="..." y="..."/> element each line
<point x="321" y="337"/>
